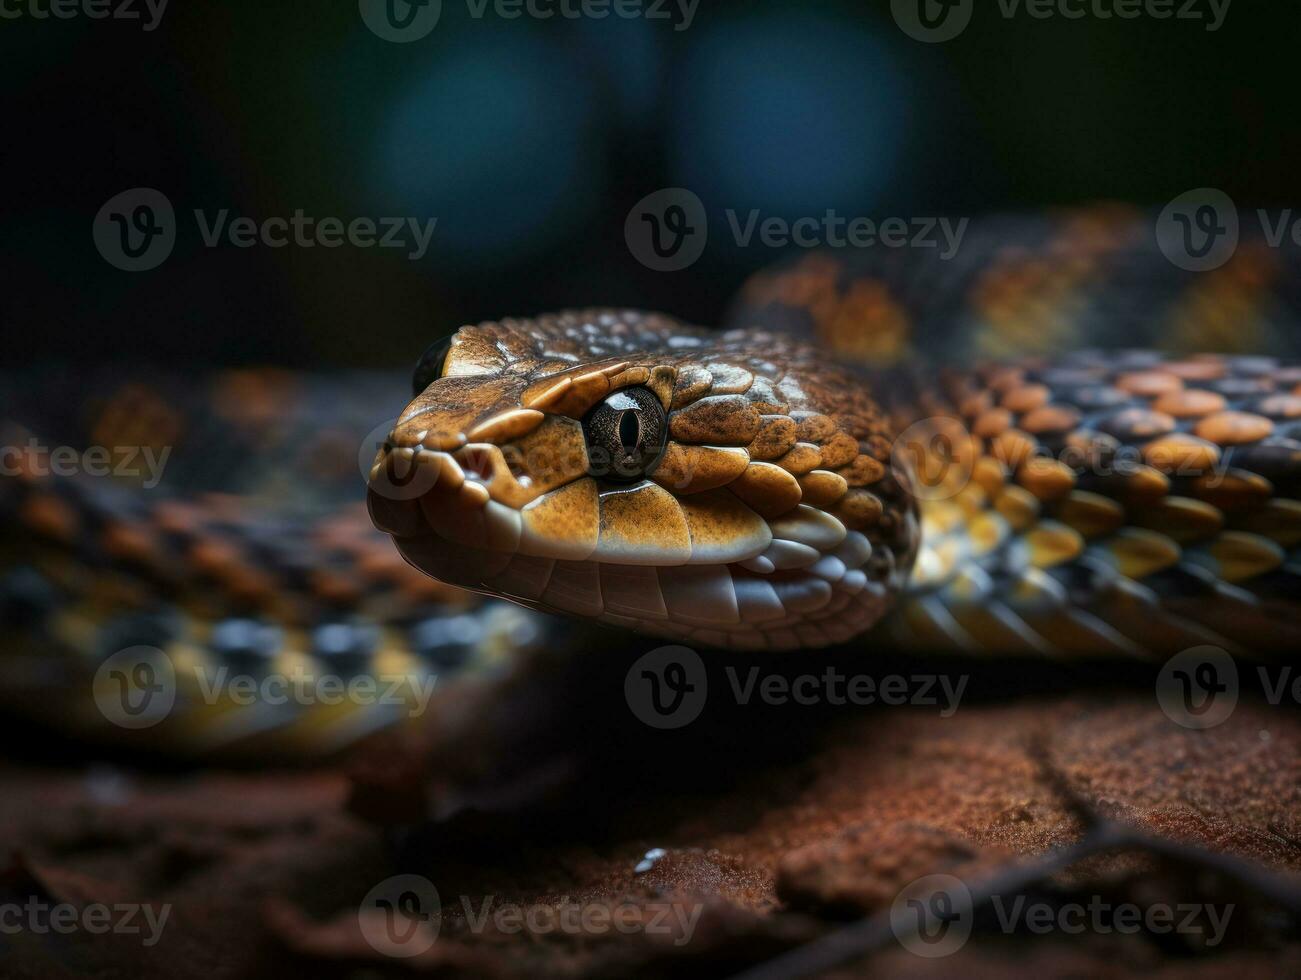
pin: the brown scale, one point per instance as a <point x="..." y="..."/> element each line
<point x="1198" y="495"/>
<point x="863" y="317"/>
<point x="135" y="416"/>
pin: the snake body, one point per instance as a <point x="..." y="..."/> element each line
<point x="822" y="478"/>
<point x="1097" y="502"/>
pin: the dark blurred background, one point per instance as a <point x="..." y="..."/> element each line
<point x="531" y="139"/>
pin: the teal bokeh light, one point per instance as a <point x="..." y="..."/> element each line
<point x="791" y="114"/>
<point x="497" y="139"/>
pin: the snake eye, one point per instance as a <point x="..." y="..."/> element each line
<point x="626" y="435"/>
<point x="430" y="366"/>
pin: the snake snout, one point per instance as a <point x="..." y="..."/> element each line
<point x="450" y="480"/>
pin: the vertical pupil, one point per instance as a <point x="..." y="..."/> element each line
<point x="629" y="431"/>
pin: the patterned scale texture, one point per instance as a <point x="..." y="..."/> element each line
<point x="218" y="518"/>
<point x="1106" y="502"/>
<point x="1044" y="283"/>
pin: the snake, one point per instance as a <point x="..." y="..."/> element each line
<point x="1059" y="444"/>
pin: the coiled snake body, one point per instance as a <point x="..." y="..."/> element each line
<point x="798" y="481"/>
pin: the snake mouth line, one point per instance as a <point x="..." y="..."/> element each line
<point x="783" y="583"/>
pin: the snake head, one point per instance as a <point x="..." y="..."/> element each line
<point x="727" y="489"/>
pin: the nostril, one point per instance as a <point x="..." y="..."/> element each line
<point x="515" y="465"/>
<point x="478" y="465"/>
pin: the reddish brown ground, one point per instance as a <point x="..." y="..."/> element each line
<point x="779" y="830"/>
